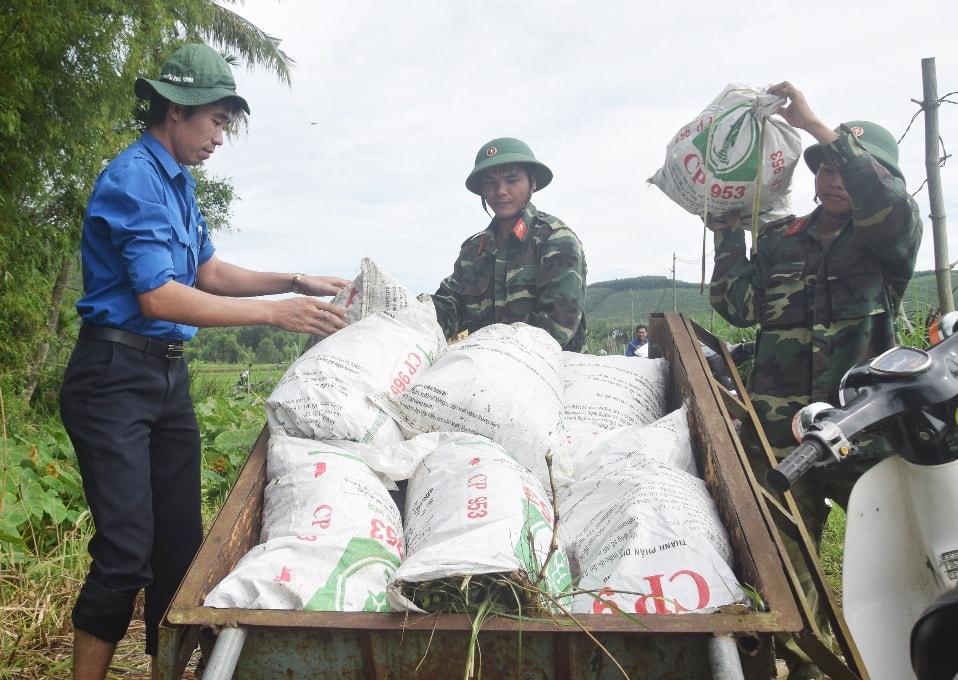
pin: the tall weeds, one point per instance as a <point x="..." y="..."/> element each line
<point x="45" y="527"/>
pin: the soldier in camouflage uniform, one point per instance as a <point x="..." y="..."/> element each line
<point x="824" y="290"/>
<point x="526" y="266"/>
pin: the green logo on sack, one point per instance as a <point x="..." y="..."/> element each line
<point x="536" y="536"/>
<point x="360" y="555"/>
<point x="732" y="152"/>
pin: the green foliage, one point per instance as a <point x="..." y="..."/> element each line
<point x="229" y="428"/>
<point x="60" y="73"/>
<point x="215" y="197"/>
<point x="41" y="490"/>
<point x="833" y="544"/>
<point x="268" y="352"/>
<point x="245" y="345"/>
<point x="66" y="108"/>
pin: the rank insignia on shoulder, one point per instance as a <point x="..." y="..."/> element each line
<point x="520" y="229"/>
<point x="797" y="227"/>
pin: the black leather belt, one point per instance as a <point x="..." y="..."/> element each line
<point x="169" y="349"/>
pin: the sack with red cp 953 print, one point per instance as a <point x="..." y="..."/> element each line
<point x="736" y="150"/>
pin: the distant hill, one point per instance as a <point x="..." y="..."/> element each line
<point x="624" y="302"/>
<point x="613" y="308"/>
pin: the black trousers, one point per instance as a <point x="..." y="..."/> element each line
<point x="137" y="443"/>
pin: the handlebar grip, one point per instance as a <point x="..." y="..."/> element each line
<point x="793" y="466"/>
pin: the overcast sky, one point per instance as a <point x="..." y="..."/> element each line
<point x="367" y="154"/>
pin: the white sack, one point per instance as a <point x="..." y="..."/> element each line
<point x="609" y="392"/>
<point x="501" y="382"/>
<point x="648" y="538"/>
<point x="472" y="509"/>
<point x="374" y="290"/>
<point x="728" y="133"/>
<point x="323" y="394"/>
<point x="331" y="535"/>
<point x="397" y="462"/>
<point x="666" y="441"/>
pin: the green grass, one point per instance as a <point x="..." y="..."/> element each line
<point x="833" y="543"/>
<point x="210" y="380"/>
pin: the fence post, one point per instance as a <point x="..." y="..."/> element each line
<point x="931" y="105"/>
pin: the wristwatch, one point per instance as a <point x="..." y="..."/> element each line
<point x="298" y="283"/>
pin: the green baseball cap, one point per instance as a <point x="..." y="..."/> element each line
<point x="878" y="141"/>
<point x="504" y="151"/>
<point x="194" y="75"/>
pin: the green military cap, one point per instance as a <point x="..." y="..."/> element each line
<point x="194" y="75"/>
<point x="504" y="151"/>
<point x="878" y="141"/>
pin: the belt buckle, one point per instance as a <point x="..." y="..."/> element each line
<point x="173" y="351"/>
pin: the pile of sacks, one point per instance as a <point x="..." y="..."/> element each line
<point x="489" y="436"/>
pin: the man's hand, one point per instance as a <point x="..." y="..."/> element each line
<point x="321" y="285"/>
<point x="307" y="314"/>
<point x="799" y="114"/>
<point x="730" y="220"/>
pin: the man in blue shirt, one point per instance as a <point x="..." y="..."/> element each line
<point x="151" y="277"/>
<point x="639" y="345"/>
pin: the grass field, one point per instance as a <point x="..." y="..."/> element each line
<point x="211" y="380"/>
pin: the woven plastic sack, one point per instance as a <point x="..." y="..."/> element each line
<point x="609" y="392"/>
<point x="667" y="440"/>
<point x="502" y="382"/>
<point x="323" y="394"/>
<point x="374" y="290"/>
<point x="646" y="538"/>
<point x="471" y="510"/>
<point x="718" y="161"/>
<point x="331" y="535"/>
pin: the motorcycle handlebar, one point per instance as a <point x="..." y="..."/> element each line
<point x="796" y="464"/>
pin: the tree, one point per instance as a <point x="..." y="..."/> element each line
<point x="226" y="350"/>
<point x="66" y="78"/>
<point x="267" y="352"/>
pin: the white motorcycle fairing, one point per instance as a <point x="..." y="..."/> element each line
<point x="901" y="551"/>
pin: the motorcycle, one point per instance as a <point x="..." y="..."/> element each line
<point x="900" y="568"/>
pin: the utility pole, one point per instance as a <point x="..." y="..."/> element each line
<point x="931" y="104"/>
<point x="674" y="305"/>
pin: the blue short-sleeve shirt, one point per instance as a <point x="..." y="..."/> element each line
<point x="142" y="228"/>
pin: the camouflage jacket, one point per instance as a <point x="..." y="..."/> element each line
<point x="536" y="277"/>
<point x="820" y="308"/>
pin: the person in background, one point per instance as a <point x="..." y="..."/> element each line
<point x="151" y="277"/>
<point x="526" y="266"/>
<point x="824" y="290"/>
<point x="639" y="344"/>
